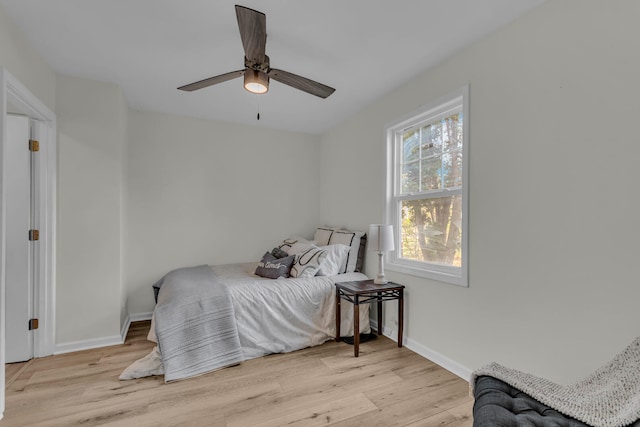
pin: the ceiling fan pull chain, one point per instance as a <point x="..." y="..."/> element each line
<point x="258" y="110"/>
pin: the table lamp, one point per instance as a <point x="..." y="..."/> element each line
<point x="380" y="240"/>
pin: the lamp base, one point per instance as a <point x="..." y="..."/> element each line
<point x="380" y="280"/>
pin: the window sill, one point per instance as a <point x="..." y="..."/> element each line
<point x="459" y="279"/>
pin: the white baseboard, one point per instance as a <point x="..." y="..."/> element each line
<point x="135" y="317"/>
<point x="125" y="328"/>
<point x="72" y="346"/>
<point x="424" y="351"/>
<point x="69" y="347"/>
<point x="138" y="317"/>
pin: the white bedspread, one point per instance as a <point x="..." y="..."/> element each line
<point x="274" y="315"/>
<point x="282" y="315"/>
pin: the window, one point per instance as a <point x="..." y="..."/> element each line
<point x="427" y="177"/>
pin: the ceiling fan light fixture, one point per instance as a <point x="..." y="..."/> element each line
<point x="256" y="81"/>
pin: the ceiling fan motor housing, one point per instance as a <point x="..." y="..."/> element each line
<point x="260" y="66"/>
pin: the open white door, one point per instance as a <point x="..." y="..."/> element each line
<point x="19" y="288"/>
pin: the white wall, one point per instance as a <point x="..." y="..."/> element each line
<point x="91" y="128"/>
<point x="24" y="62"/>
<point x="553" y="205"/>
<point x="204" y="192"/>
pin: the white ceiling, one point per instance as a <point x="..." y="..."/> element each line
<point x="363" y="48"/>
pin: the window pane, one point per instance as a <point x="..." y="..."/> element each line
<point x="411" y="146"/>
<point x="452" y="169"/>
<point x="431" y="173"/>
<point x="430" y="140"/>
<point x="432" y="230"/>
<point x="452" y="132"/>
<point x="411" y="177"/>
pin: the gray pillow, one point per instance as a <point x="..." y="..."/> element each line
<point x="279" y="253"/>
<point x="272" y="267"/>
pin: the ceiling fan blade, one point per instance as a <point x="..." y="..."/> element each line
<point x="302" y="83"/>
<point x="211" y="81"/>
<point x="253" y="32"/>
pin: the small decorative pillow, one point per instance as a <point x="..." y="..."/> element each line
<point x="273" y="268"/>
<point x="287" y="243"/>
<point x="336" y="257"/>
<point x="300" y="247"/>
<point x="290" y="241"/>
<point x="279" y="253"/>
<point x="308" y="262"/>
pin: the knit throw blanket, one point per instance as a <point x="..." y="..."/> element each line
<point x="610" y="397"/>
<point x="195" y="324"/>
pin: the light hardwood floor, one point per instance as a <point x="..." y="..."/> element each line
<point x="324" y="385"/>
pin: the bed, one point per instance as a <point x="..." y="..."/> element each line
<point x="210" y="317"/>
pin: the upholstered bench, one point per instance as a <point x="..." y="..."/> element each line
<point x="497" y="404"/>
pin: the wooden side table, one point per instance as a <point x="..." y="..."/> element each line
<point x="366" y="292"/>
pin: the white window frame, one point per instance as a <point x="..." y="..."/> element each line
<point x="430" y="112"/>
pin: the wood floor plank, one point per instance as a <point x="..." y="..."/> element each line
<point x="324" y="385"/>
<point x="410" y="388"/>
<point x="273" y="406"/>
<point x="13" y="371"/>
<point x="315" y="414"/>
<point x="188" y="415"/>
<point x="459" y="416"/>
<point x="421" y="406"/>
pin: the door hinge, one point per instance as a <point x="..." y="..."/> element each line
<point x="33" y="324"/>
<point x="34" y="145"/>
<point x="34" y="235"/>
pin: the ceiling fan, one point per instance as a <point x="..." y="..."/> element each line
<point x="257" y="70"/>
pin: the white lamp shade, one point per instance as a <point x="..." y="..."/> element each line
<point x="381" y="238"/>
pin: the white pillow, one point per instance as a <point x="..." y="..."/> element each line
<point x="323" y="235"/>
<point x="351" y="239"/>
<point x="308" y="262"/>
<point x="336" y="257"/>
<point x="298" y="247"/>
<point x="290" y="241"/>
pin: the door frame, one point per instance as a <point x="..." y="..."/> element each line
<point x="14" y="92"/>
